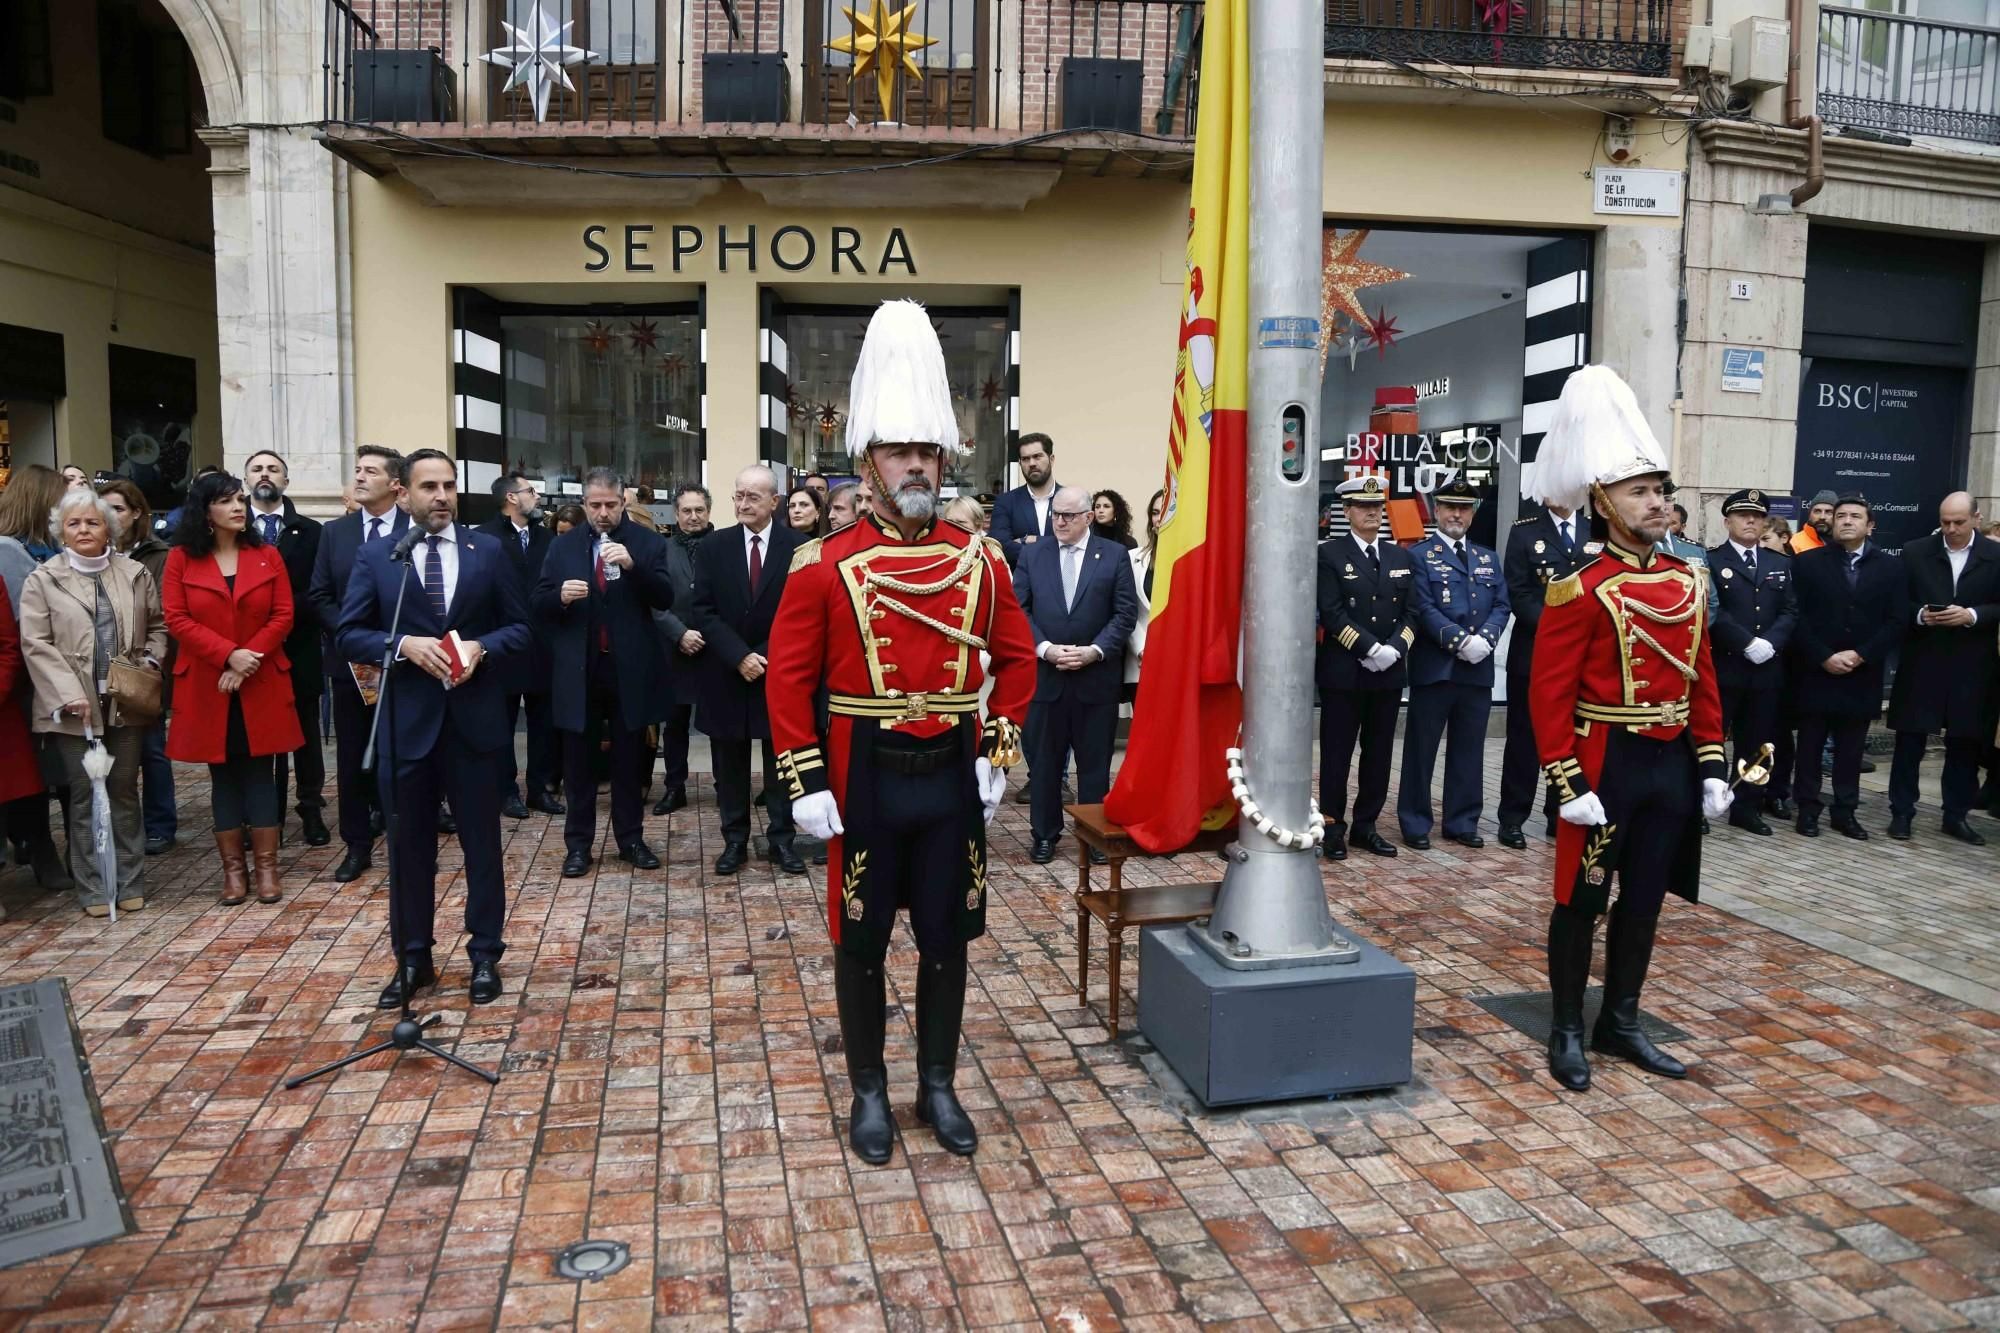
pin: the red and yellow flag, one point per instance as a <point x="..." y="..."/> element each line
<point x="1190" y="705"/>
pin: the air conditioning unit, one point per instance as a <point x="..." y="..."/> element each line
<point x="1698" y="51"/>
<point x="1759" y="53"/>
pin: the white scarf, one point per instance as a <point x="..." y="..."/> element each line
<point x="87" y="564"/>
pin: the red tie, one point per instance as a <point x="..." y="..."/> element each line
<point x="756" y="563"/>
<point x="603" y="630"/>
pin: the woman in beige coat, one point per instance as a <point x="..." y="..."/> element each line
<point x="79" y="610"/>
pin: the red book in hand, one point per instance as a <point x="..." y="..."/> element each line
<point x="455" y="649"/>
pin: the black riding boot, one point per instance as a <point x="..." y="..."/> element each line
<point x="1569" y="972"/>
<point x="871" y="1124"/>
<point x="1628" y="949"/>
<point x="940" y="1012"/>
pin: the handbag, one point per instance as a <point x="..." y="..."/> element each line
<point x="133" y="691"/>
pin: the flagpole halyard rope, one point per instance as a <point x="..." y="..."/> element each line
<point x="1239" y="787"/>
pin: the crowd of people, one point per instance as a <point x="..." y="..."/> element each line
<point x="1810" y="631"/>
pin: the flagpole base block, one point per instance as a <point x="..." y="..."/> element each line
<point x="1275" y="1034"/>
<point x="1271" y="913"/>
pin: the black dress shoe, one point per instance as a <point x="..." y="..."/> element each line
<point x="1043" y="852"/>
<point x="1867" y="765"/>
<point x="788" y="858"/>
<point x="576" y="865"/>
<point x="1807" y="826"/>
<point x="157" y="846"/>
<point x="1098" y="858"/>
<point x="871" y="1127"/>
<point x="1851" y="827"/>
<point x="447" y="821"/>
<point x="514" y="808"/>
<point x="351" y="866"/>
<point x="1899" y="827"/>
<point x="409" y="979"/>
<point x="1368" y="840"/>
<point x="1334" y="848"/>
<point x="1511" y="836"/>
<point x="1779" y="806"/>
<point x="548" y="805"/>
<point x="1964" y="832"/>
<point x="377" y="825"/>
<point x="674" y="798"/>
<point x="311" y="827"/>
<point x="640" y="855"/>
<point x="1751" y="823"/>
<point x="485" y="981"/>
<point x="1420" y="843"/>
<point x="1472" y="840"/>
<point x="733" y="856"/>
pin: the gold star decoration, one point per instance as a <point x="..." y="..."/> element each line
<point x="880" y="42"/>
<point x="1343" y="275"/>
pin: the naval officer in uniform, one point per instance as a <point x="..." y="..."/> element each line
<point x="1755" y="613"/>
<point x="1367" y="622"/>
<point x="1461" y="607"/>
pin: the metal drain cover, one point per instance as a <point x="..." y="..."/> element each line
<point x="593" y="1259"/>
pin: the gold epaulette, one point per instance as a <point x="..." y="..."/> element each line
<point x="806" y="555"/>
<point x="1563" y="591"/>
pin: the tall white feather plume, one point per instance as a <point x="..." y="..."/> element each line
<point x="1598" y="435"/>
<point x="900" y="394"/>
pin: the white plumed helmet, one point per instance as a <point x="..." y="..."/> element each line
<point x="900" y="394"/>
<point x="1598" y="436"/>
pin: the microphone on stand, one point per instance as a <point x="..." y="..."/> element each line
<point x="409" y="541"/>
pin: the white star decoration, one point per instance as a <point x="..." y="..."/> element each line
<point x="537" y="55"/>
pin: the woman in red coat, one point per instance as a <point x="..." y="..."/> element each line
<point x="228" y="604"/>
<point x="20" y="775"/>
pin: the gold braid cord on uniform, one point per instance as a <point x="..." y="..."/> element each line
<point x="1566" y="776"/>
<point x="1000" y="742"/>
<point x="802" y="770"/>
<point x="874" y="584"/>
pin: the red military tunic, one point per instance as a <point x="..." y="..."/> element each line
<point x="892" y="630"/>
<point x="1623" y="642"/>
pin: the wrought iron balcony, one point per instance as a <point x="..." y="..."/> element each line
<point x="1613" y="36"/>
<point x="1015" y="68"/>
<point x="1909" y="75"/>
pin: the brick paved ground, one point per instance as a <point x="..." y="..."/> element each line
<point x="1834" y="1160"/>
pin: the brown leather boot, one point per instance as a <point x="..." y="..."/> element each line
<point x="264" y="854"/>
<point x="235" y="881"/>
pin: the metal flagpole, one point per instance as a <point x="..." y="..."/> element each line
<point x="1271" y="910"/>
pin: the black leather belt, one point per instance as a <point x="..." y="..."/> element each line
<point x="914" y="757"/>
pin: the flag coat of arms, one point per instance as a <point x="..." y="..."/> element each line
<point x="1174" y="780"/>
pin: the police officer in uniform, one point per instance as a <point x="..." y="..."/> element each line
<point x="1756" y="610"/>
<point x="1461" y="609"/>
<point x="1627" y="718"/>
<point x="1366" y="626"/>
<point x="1546" y="546"/>
<point x="889" y="617"/>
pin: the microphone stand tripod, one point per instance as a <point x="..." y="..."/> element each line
<point x="408" y="1034"/>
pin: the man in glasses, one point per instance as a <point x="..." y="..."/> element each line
<point x="525" y="539"/>
<point x="1080" y="599"/>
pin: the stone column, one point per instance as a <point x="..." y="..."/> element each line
<point x="1982" y="473"/>
<point x="1634" y="315"/>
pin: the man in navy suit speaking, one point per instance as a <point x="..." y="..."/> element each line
<point x="1082" y="603"/>
<point x="446" y="715"/>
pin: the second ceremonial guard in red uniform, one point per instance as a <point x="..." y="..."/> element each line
<point x="1627" y="719"/>
<point x="891" y="617"/>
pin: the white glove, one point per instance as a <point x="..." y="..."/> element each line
<point x="1585" y="810"/>
<point x="1759" y="652"/>
<point x="1370" y="663"/>
<point x="992" y="785"/>
<point x="1474" y="649"/>
<point x="818" y="814"/>
<point x="1384" y="656"/>
<point x="1716" y="798"/>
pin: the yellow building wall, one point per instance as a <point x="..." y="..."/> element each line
<point x="97" y="283"/>
<point x="1099" y="265"/>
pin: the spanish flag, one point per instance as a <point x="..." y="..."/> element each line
<point x="1175" y="776"/>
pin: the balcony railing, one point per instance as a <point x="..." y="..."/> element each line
<point x="1612" y="36"/>
<point x="1023" y="67"/>
<point x="1909" y="75"/>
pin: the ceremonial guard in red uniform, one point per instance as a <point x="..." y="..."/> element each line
<point x="890" y="616"/>
<point x="1627" y="719"/>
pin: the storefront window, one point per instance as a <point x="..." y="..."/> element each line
<point x="152" y="423"/>
<point x="824" y="343"/>
<point x="588" y="390"/>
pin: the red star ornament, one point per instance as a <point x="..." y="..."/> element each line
<point x="645" y="335"/>
<point x="1343" y="275"/>
<point x="1382" y="332"/>
<point x="598" y="337"/>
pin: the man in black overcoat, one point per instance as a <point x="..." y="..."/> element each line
<point x="739" y="578"/>
<point x="601" y="582"/>
<point x="296" y="538"/>
<point x="681" y="643"/>
<point x="1945" y="679"/>
<point x="526" y="540"/>
<point x="1756" y="613"/>
<point x="1854" y="601"/>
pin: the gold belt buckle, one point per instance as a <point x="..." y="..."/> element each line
<point x="916" y="707"/>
